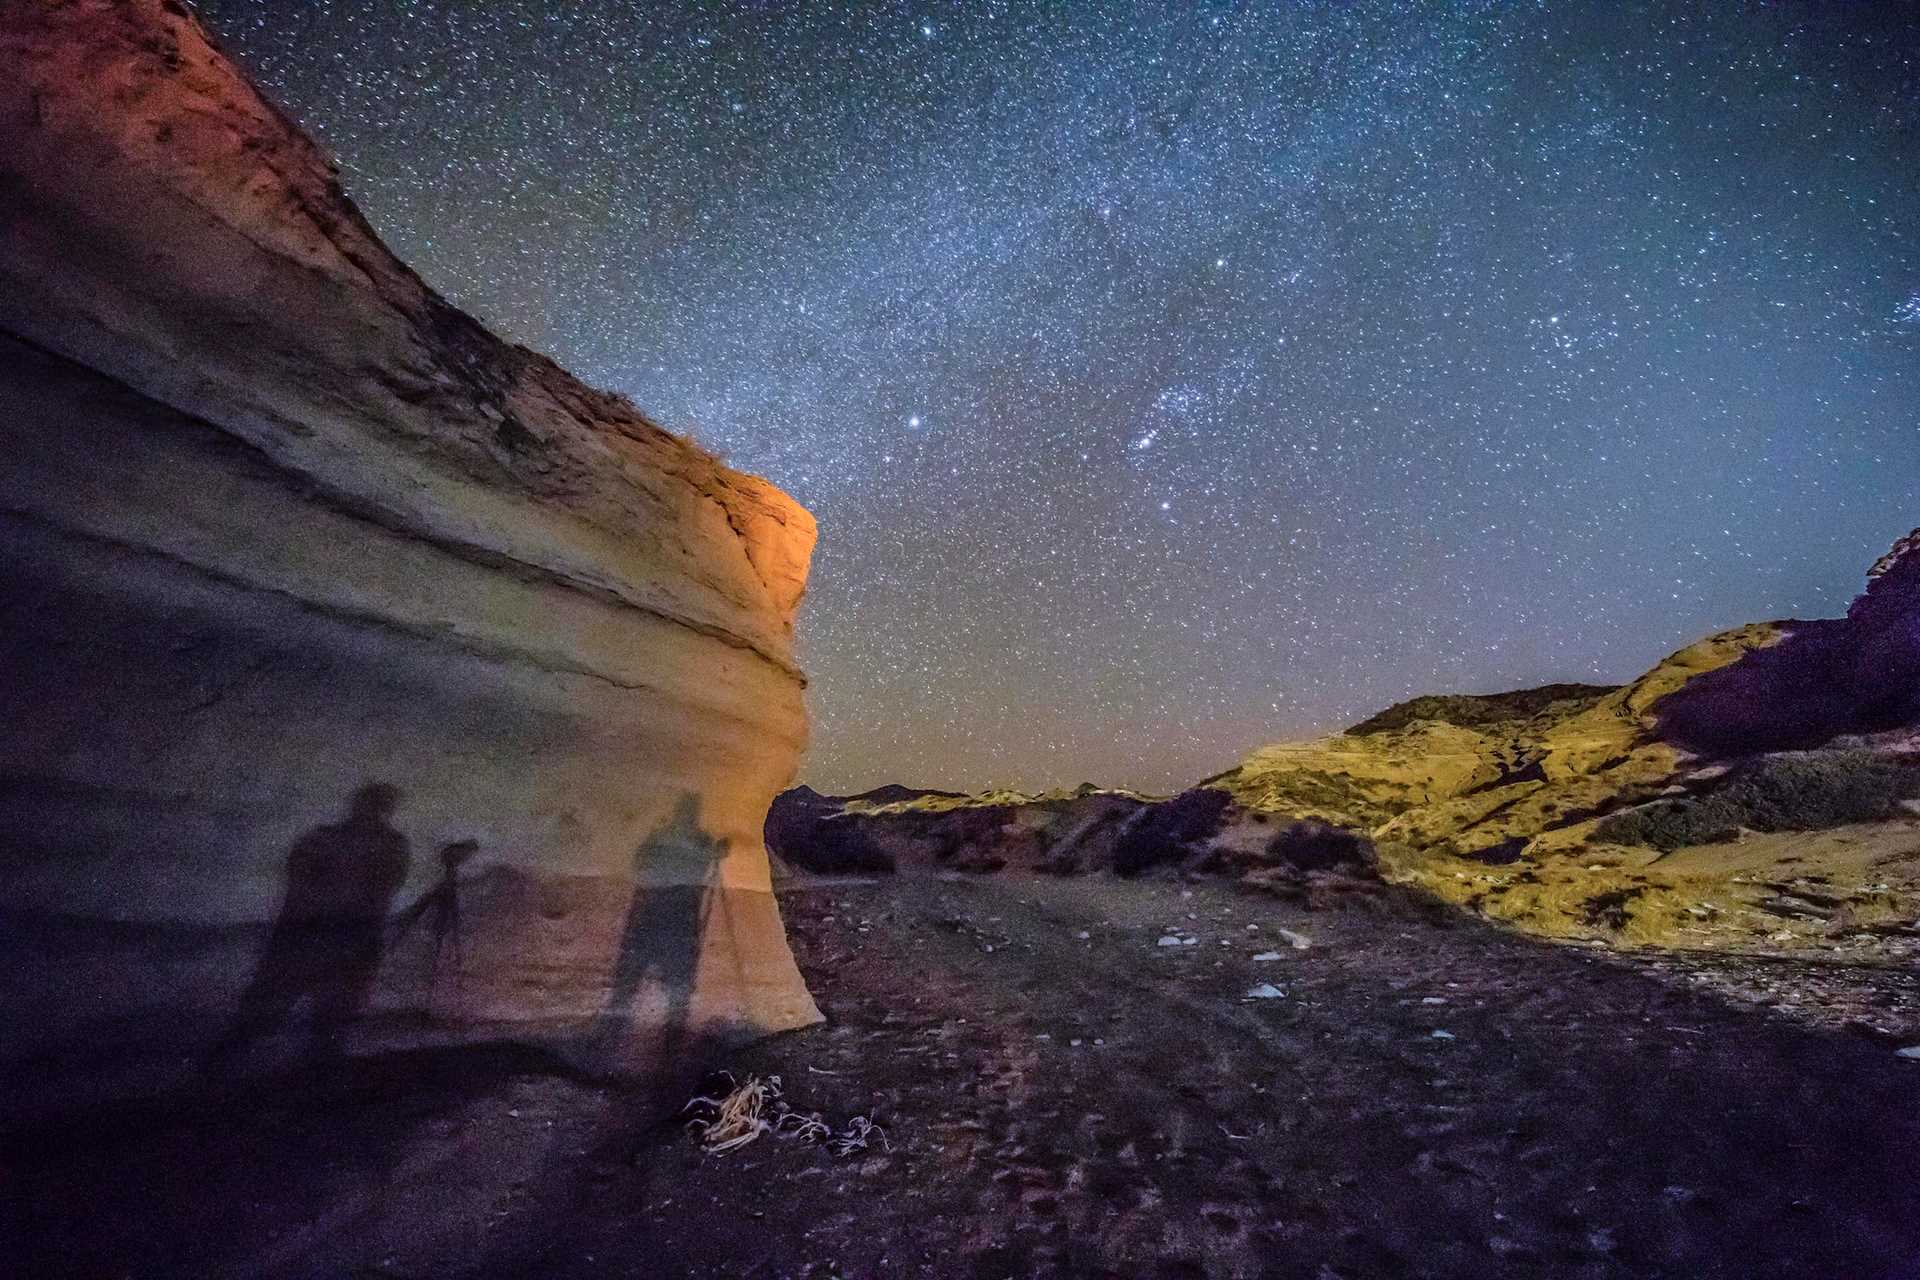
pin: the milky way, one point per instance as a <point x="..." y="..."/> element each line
<point x="1169" y="381"/>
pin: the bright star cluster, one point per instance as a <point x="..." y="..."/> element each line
<point x="1167" y="379"/>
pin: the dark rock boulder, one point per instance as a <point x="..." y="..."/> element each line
<point x="1170" y="832"/>
<point x="1854" y="675"/>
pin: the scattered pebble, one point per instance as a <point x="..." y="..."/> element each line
<point x="1265" y="991"/>
<point x="1298" y="941"/>
<point x="1911" y="1051"/>
<point x="1438" y="1034"/>
<point x="1433" y="1000"/>
<point x="1268" y="955"/>
<point x="1167" y="940"/>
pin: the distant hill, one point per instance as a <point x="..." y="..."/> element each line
<point x="1684" y="803"/>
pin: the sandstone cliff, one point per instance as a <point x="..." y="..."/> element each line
<point x="309" y="576"/>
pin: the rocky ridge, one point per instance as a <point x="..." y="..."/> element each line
<point x="1759" y="788"/>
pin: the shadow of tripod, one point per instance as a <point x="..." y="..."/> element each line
<point x="440" y="908"/>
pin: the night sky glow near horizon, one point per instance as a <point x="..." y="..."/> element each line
<point x="1170" y="380"/>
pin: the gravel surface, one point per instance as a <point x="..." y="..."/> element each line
<point x="1062" y="1095"/>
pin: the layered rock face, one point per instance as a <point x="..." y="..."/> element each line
<point x="369" y="680"/>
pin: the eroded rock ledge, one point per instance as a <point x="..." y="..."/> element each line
<point x="308" y="576"/>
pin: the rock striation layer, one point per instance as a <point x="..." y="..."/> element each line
<point x="369" y="679"/>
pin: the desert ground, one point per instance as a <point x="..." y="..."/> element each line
<point x="1063" y="1093"/>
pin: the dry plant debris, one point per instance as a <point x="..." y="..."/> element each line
<point x="727" y="1121"/>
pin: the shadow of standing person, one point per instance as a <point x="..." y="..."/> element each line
<point x="329" y="937"/>
<point x="675" y="871"/>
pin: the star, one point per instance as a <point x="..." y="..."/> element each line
<point x="1506" y="369"/>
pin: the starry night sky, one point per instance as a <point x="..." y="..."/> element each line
<point x="1169" y="381"/>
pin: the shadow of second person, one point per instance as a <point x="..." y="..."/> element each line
<point x="643" y="1024"/>
<point x="327" y="942"/>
